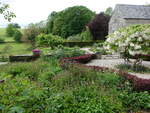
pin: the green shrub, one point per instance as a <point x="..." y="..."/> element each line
<point x="30" y="33"/>
<point x="17" y="36"/>
<point x="2" y="40"/>
<point x="83" y="36"/>
<point x="136" y="101"/>
<point x="10" y="30"/>
<point x="67" y="52"/>
<point x="49" y="40"/>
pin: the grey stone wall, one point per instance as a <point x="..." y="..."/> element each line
<point x="116" y="21"/>
<point x="115" y="24"/>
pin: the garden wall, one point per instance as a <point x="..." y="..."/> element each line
<point x="22" y="58"/>
<point x="81" y="44"/>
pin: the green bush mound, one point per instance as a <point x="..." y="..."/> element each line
<point x="83" y="36"/>
<point x="63" y="52"/>
<point x="70" y="21"/>
<point x="17" y="36"/>
<point x="49" y="40"/>
<point x="43" y="87"/>
<point x="2" y="40"/>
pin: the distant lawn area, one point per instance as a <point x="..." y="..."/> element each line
<point x="3" y="35"/>
<point x="15" y="48"/>
<point x="12" y="48"/>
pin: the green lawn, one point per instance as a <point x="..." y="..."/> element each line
<point x="6" y="38"/>
<point x="3" y="35"/>
<point x="15" y="48"/>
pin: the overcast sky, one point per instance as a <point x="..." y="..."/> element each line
<point x="31" y="11"/>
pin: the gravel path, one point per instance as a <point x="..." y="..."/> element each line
<point x="2" y="63"/>
<point x="110" y="63"/>
<point x="87" y="50"/>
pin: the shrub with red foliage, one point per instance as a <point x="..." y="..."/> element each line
<point x="78" y="60"/>
<point x="139" y="84"/>
<point x="99" y="26"/>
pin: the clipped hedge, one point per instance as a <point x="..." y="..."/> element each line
<point x="80" y="44"/>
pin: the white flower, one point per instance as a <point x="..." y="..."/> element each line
<point x="131" y="44"/>
<point x="147" y="44"/>
<point x="132" y="52"/>
<point x="140" y="39"/>
<point x="137" y="47"/>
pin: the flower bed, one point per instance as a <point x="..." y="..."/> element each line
<point x="139" y="84"/>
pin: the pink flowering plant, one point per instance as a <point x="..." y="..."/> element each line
<point x="36" y="52"/>
<point x="130" y="41"/>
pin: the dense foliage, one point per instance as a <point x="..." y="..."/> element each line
<point x="10" y="30"/>
<point x="70" y="21"/>
<point x="83" y="36"/>
<point x="109" y="11"/>
<point x="99" y="26"/>
<point x="42" y="86"/>
<point x="16" y="25"/>
<point x="63" y="52"/>
<point x="31" y="32"/>
<point x="49" y="40"/>
<point x="17" y="36"/>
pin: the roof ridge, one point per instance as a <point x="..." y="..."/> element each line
<point x="131" y="5"/>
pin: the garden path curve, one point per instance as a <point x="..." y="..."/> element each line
<point x="110" y="63"/>
<point x="2" y="63"/>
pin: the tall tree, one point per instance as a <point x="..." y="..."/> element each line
<point x="109" y="11"/>
<point x="99" y="26"/>
<point x="50" y="22"/>
<point x="16" y="25"/>
<point x="70" y="21"/>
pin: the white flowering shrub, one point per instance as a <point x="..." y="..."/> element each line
<point x="132" y="40"/>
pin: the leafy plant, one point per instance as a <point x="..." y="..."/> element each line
<point x="17" y="36"/>
<point x="63" y="52"/>
<point x="49" y="40"/>
<point x="10" y="30"/>
<point x="31" y="32"/>
<point x="83" y="36"/>
<point x="136" y="100"/>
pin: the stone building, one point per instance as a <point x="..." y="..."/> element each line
<point x="125" y="15"/>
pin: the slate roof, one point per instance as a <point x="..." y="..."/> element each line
<point x="133" y="11"/>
